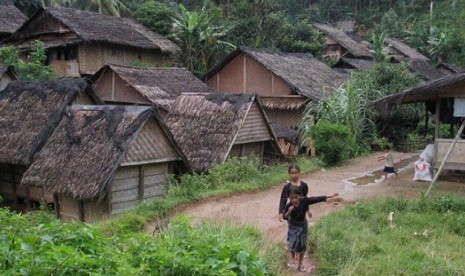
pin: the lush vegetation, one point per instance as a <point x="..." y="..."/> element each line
<point x="38" y="244"/>
<point x="31" y="69"/>
<point x="426" y="237"/>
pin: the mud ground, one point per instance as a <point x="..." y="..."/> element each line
<point x="260" y="208"/>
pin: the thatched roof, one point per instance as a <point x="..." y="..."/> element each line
<point x="283" y="102"/>
<point x="356" y="49"/>
<point x="358" y="63"/>
<point x="430" y="91"/>
<point x="307" y="76"/>
<point x="205" y="126"/>
<point x="82" y="155"/>
<point x="427" y="71"/>
<point x="97" y="27"/>
<point x="160" y="86"/>
<point x="29" y="112"/>
<point x="290" y="134"/>
<point x="10" y="18"/>
<point x="404" y="49"/>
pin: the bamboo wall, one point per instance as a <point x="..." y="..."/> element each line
<point x="111" y="88"/>
<point x="245" y="75"/>
<point x="254" y="128"/>
<point x="284" y="117"/>
<point x="456" y="160"/>
<point x="93" y="56"/>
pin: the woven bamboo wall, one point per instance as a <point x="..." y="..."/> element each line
<point x="95" y="210"/>
<point x="91" y="57"/>
<point x="258" y="78"/>
<point x="254" y="128"/>
<point x="124" y="192"/>
<point x="284" y="117"/>
<point x="154" y="180"/>
<point x="151" y="145"/>
<point x="69" y="208"/>
<point x="231" y="77"/>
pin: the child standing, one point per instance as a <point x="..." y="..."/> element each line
<point x="294" y="174"/>
<point x="294" y="213"/>
<point x="388" y="162"/>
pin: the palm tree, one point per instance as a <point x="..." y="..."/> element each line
<point x="110" y="7"/>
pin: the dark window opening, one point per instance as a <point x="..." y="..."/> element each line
<point x="67" y="53"/>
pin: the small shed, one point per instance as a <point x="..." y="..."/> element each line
<point x="81" y="42"/>
<point x="29" y="113"/>
<point x="7" y="75"/>
<point x="445" y="98"/>
<point x="103" y="160"/>
<point x="400" y="51"/>
<point x="284" y="81"/>
<point x="209" y="128"/>
<point x="11" y="19"/>
<point x="145" y="86"/>
<point x="339" y="44"/>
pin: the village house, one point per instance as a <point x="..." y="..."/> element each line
<point x="104" y="160"/>
<point x="10" y="19"/>
<point x="7" y="74"/>
<point x="209" y="128"/>
<point x="340" y="45"/>
<point x="158" y="87"/>
<point x="283" y="81"/>
<point x="445" y="98"/>
<point x="29" y="113"/>
<point x="80" y="42"/>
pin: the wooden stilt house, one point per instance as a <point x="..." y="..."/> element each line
<point x="158" y="87"/>
<point x="209" y="128"/>
<point x="80" y="42"/>
<point x="103" y="160"/>
<point x="10" y="19"/>
<point x="29" y="113"/>
<point x="7" y="75"/>
<point x="283" y="81"/>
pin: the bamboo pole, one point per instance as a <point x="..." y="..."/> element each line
<point x="445" y="158"/>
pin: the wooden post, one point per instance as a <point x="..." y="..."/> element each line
<point x="81" y="210"/>
<point x="141" y="182"/>
<point x="457" y="136"/>
<point x="437" y="118"/>
<point x="56" y="201"/>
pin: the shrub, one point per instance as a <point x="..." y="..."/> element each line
<point x="332" y="141"/>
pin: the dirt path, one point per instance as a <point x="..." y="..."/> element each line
<point x="260" y="208"/>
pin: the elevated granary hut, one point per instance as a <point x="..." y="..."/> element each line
<point x="29" y="113"/>
<point x="284" y="81"/>
<point x="103" y="160"/>
<point x="145" y="86"/>
<point x="81" y="42"/>
<point x="7" y="74"/>
<point x="211" y="127"/>
<point x="10" y="18"/>
<point x="339" y="44"/>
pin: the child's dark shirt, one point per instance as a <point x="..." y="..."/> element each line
<point x="285" y="194"/>
<point x="298" y="214"/>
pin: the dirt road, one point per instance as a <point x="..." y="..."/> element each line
<point x="260" y="208"/>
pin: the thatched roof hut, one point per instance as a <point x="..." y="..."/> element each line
<point x="402" y="52"/>
<point x="427" y="71"/>
<point x="306" y="75"/>
<point x="78" y="26"/>
<point x="354" y="48"/>
<point x="211" y="127"/>
<point x="448" y="86"/>
<point x="150" y="86"/>
<point x="355" y="63"/>
<point x="103" y="160"/>
<point x="11" y="19"/>
<point x="30" y="111"/>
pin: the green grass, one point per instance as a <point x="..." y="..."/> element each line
<point x="427" y="238"/>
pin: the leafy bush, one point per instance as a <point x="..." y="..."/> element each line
<point x="332" y="141"/>
<point x="207" y="249"/>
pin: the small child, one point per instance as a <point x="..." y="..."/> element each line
<point x="388" y="162"/>
<point x="294" y="174"/>
<point x="294" y="213"/>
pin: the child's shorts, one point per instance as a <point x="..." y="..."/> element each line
<point x="389" y="170"/>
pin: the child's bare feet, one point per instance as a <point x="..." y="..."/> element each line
<point x="302" y="268"/>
